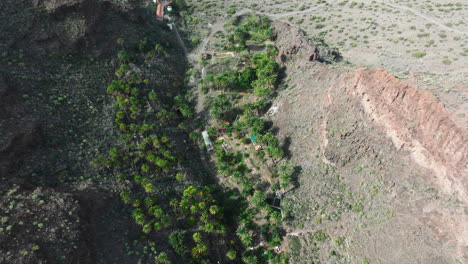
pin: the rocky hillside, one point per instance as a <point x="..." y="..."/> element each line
<point x="314" y="160"/>
<point x="383" y="164"/>
<point x="417" y="123"/>
<point x="57" y="58"/>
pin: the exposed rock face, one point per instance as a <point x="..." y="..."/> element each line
<point x="417" y="122"/>
<point x="363" y="127"/>
<point x="293" y="45"/>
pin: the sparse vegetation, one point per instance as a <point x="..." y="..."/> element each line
<point x="102" y="123"/>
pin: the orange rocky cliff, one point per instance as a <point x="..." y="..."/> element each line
<point x="416" y="122"/>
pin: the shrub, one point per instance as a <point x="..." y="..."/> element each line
<point x="231" y="255"/>
<point x="157" y="226"/>
<point x="199" y="250"/>
<point x="125" y="197"/>
<point x="186" y="111"/>
<point x="147" y="228"/>
<point x="195" y="41"/>
<point x="197" y="237"/>
<point x="320" y="236"/>
<point x="179" y="177"/>
<point x="152" y="96"/>
<point x="221" y="107"/>
<point x="176" y="239"/>
<point x="250" y="259"/>
<point x="145" y="168"/>
<point x="123" y="56"/>
<point x="121" y="71"/>
<point x="285" y="170"/>
<point x="162" y="258"/>
<point x="275" y="152"/>
<point x="138" y="216"/>
<point x="259" y="199"/>
<point x="419" y="54"/>
<point x="148" y="188"/>
<point x="244" y="235"/>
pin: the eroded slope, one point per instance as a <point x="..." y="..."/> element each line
<point x="361" y="197"/>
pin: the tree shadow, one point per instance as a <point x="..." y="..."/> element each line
<point x="295" y="176"/>
<point x="286" y="145"/>
<point x="263" y="186"/>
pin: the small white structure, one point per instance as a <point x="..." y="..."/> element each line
<point x="208" y="144"/>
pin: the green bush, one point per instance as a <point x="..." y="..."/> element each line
<point x="419" y="54"/>
<point x="231" y="11"/>
<point x="195" y="41"/>
<point x="221" y="107"/>
<point x="231" y="255"/>
<point x="176" y="239"/>
<point x="250" y="259"/>
<point x="285" y="170"/>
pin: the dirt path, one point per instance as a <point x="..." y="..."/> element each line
<point x="299" y="232"/>
<point x="280" y="15"/>
<point x="417" y="13"/>
<point x="324" y="143"/>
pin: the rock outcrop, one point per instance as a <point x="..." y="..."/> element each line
<point x="416" y="122"/>
<point x="293" y="45"/>
<point x="366" y="126"/>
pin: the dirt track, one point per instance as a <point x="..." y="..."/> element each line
<point x="432" y="20"/>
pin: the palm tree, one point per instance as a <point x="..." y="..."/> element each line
<point x="286" y="170"/>
<point x="231" y="254"/>
<point x="149" y="188"/>
<point x="152" y="96"/>
<point x="156" y="211"/>
<point x="147" y="228"/>
<point x="140" y="219"/>
<point x="197" y="237"/>
<point x="136" y="203"/>
<point x="244" y="235"/>
<point x="125" y="197"/>
<point x="145" y="168"/>
<point x="275" y="152"/>
<point x="214" y="209"/>
<point x="199" y="250"/>
<point x="157" y="226"/>
<point x="174" y="203"/>
<point x="163" y="258"/>
<point x="258" y="198"/>
<point x="208" y="228"/>
<point x="250" y="259"/>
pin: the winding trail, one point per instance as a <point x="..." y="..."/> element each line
<point x="280" y="15"/>
<point x="299" y="232"/>
<point x="417" y="13"/>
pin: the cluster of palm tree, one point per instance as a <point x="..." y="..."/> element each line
<point x="257" y="29"/>
<point x="258" y="77"/>
<point x="144" y="161"/>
